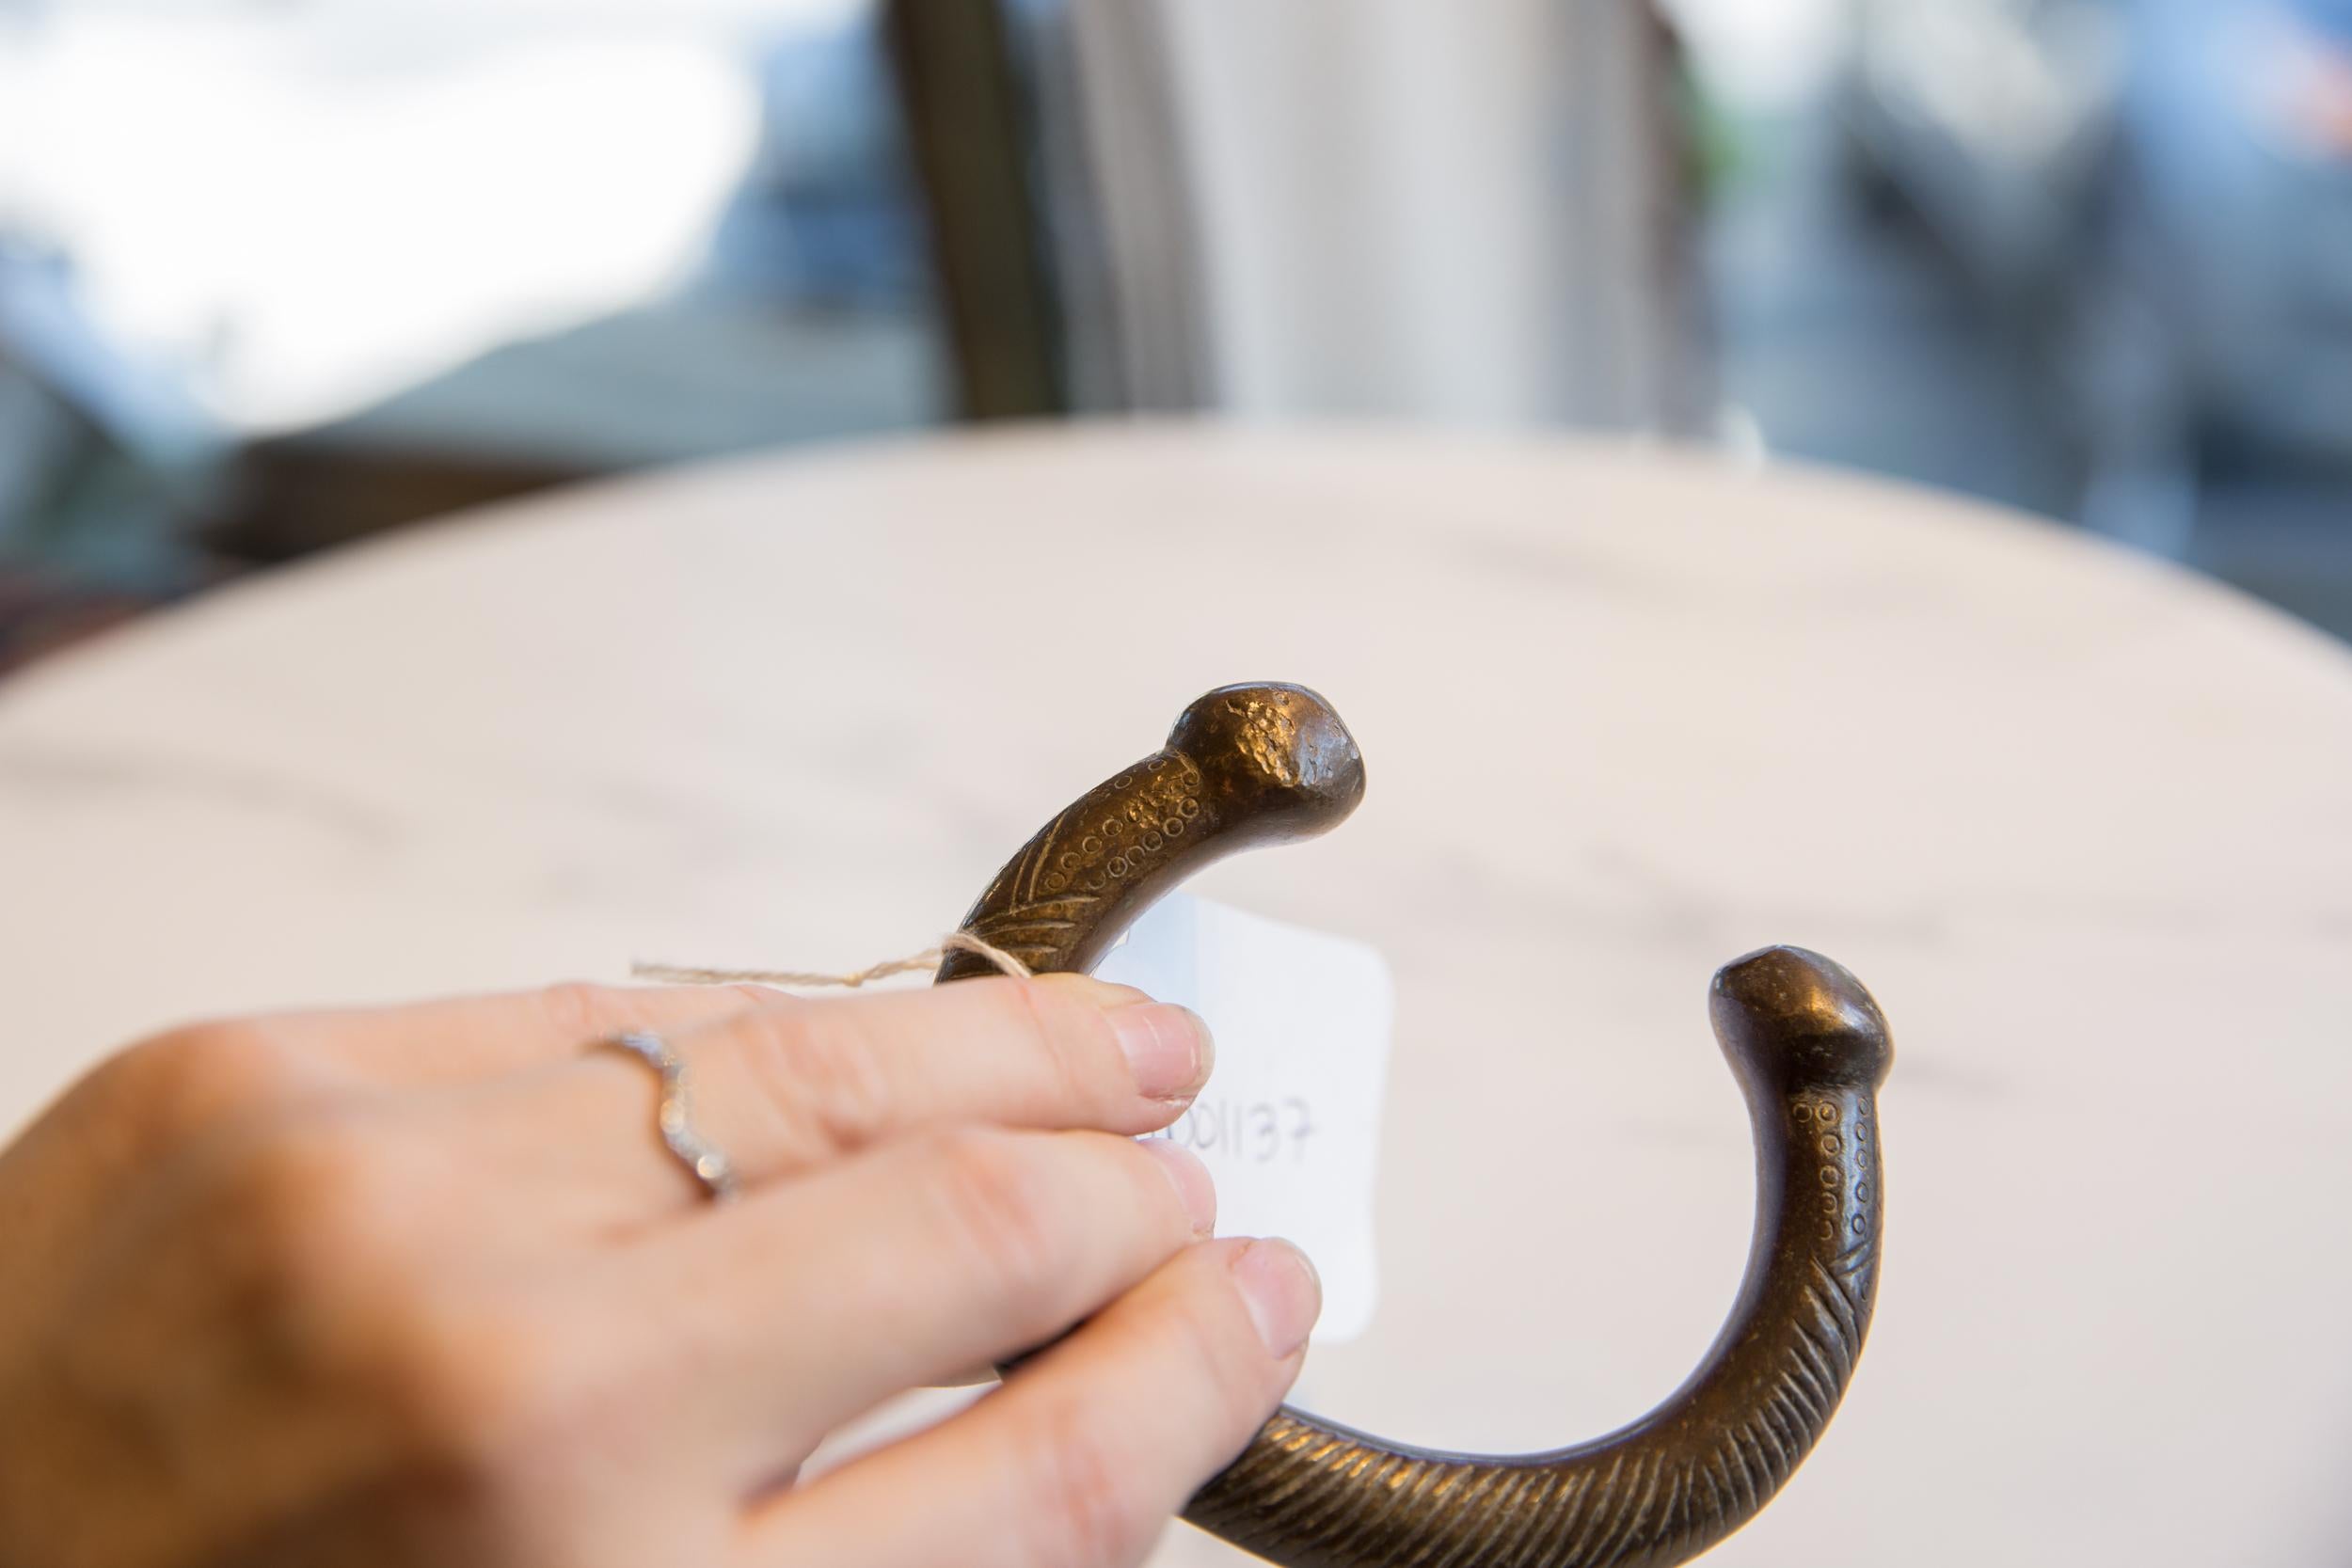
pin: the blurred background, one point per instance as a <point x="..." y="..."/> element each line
<point x="277" y="274"/>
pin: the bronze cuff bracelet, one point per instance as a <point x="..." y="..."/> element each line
<point x="1252" y="764"/>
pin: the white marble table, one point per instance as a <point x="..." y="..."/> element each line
<point x="2083" y="823"/>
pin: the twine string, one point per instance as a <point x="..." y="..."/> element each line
<point x="930" y="957"/>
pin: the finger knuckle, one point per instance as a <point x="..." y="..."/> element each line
<point x="338" y="1267"/>
<point x="1068" y="1038"/>
<point x="1213" y="1336"/>
<point x="193" y="1075"/>
<point x="299" y="1231"/>
<point x="825" y="1092"/>
<point x="480" y="1383"/>
<point x="1083" y="1507"/>
<point x="583" y="1010"/>
<point x="1001" y="1208"/>
<point x="318" y="1202"/>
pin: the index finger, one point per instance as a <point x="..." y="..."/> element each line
<point x="461" y="1039"/>
<point x="785" y="1087"/>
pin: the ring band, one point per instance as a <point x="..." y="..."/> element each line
<point x="704" y="1160"/>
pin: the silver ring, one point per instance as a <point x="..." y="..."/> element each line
<point x="704" y="1160"/>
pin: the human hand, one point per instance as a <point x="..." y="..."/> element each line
<point x="422" y="1285"/>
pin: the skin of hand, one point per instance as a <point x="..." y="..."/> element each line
<point x="422" y="1285"/>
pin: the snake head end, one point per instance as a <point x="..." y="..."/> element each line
<point x="1276" y="758"/>
<point x="1793" y="1019"/>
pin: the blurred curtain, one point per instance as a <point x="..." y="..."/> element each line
<point x="1474" y="211"/>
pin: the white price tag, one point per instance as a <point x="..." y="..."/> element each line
<point x="1290" y="1123"/>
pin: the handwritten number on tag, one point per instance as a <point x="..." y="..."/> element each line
<point x="1260" y="1130"/>
<point x="1290" y="1125"/>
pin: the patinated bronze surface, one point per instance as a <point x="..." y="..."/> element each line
<point x="1250" y="764"/>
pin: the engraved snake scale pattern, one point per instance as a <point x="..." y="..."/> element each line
<point x="1262" y="764"/>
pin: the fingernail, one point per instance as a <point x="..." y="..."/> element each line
<point x="1166" y="1048"/>
<point x="1192" y="1181"/>
<point x="1283" y="1292"/>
